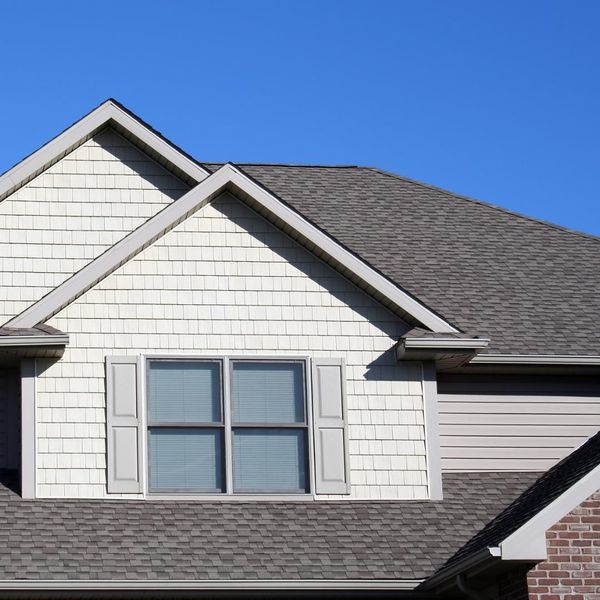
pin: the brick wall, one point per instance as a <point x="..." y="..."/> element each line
<point x="572" y="571"/>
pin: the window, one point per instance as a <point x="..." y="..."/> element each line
<point x="227" y="426"/>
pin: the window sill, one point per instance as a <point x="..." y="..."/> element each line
<point x="232" y="497"/>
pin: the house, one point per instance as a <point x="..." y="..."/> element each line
<point x="288" y="381"/>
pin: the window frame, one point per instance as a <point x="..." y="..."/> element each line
<point x="226" y="372"/>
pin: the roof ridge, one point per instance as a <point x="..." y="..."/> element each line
<point x="508" y="211"/>
<point x="292" y="165"/>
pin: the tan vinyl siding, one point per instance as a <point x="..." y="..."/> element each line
<point x="490" y="432"/>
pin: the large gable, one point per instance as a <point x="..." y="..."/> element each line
<point x="530" y="286"/>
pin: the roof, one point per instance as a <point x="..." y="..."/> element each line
<point x="187" y="540"/>
<point x="549" y="487"/>
<point x="530" y="286"/>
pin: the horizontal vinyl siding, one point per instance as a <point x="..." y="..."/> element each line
<point x="489" y="432"/>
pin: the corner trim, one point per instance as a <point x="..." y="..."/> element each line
<point x="28" y="428"/>
<point x="221" y="180"/>
<point x="432" y="431"/>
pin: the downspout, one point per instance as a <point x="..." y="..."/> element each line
<point x="461" y="583"/>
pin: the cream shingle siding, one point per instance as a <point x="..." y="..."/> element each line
<point x="73" y="212"/>
<point x="226" y="281"/>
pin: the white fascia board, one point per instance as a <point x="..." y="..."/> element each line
<point x="34" y="340"/>
<point x="536" y="359"/>
<point x="459" y="343"/>
<point x="528" y="543"/>
<point x="73" y="136"/>
<point x="221" y="180"/>
<point x="233" y="584"/>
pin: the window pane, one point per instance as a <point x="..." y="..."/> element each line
<point x="269" y="460"/>
<point x="186" y="459"/>
<point x="268" y="392"/>
<point x="184" y="391"/>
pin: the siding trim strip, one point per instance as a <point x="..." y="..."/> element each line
<point x="226" y="177"/>
<point x="432" y="431"/>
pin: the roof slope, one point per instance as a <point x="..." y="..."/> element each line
<point x="108" y="539"/>
<point x="531" y="286"/>
<point x="552" y="484"/>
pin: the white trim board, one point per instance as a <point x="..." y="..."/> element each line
<point x="226" y="178"/>
<point x="108" y="113"/>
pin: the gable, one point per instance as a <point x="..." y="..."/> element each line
<point x="227" y="281"/>
<point x="229" y="178"/>
<point x="68" y="215"/>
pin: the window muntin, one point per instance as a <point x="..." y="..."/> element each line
<point x="236" y="426"/>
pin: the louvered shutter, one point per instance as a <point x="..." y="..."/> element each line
<point x="124" y="425"/>
<point x="330" y="427"/>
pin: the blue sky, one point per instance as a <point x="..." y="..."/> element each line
<point x="495" y="100"/>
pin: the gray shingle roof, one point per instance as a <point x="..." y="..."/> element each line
<point x="111" y="539"/>
<point x="545" y="490"/>
<point x="531" y="286"/>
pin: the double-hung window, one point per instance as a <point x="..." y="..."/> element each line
<point x="231" y="426"/>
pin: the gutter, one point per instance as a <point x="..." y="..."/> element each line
<point x="447" y="577"/>
<point x="535" y="359"/>
<point x="34" y="340"/>
<point x="420" y="342"/>
<point x="208" y="585"/>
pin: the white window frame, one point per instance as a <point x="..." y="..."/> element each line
<point x="226" y="370"/>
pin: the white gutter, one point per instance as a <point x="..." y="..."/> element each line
<point x="34" y="340"/>
<point x="535" y="359"/>
<point x="207" y="584"/>
<point x="459" y="343"/>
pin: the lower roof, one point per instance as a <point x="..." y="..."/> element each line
<point x="185" y="540"/>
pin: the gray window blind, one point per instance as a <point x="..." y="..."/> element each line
<point x="268" y="392"/>
<point x="184" y="392"/>
<point x="188" y="459"/>
<point x="269" y="460"/>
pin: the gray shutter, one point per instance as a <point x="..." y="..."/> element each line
<point x="330" y="431"/>
<point x="124" y="425"/>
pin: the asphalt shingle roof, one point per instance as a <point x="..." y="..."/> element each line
<point x="552" y="484"/>
<point x="111" y="539"/>
<point x="533" y="287"/>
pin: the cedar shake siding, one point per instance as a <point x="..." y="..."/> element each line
<point x="71" y="213"/>
<point x="225" y="281"/>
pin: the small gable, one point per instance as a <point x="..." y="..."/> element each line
<point x="72" y="212"/>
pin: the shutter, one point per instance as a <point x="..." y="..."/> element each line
<point x="124" y="433"/>
<point x="330" y="431"/>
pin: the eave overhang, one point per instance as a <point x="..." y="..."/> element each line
<point x="36" y="342"/>
<point x="447" y="352"/>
